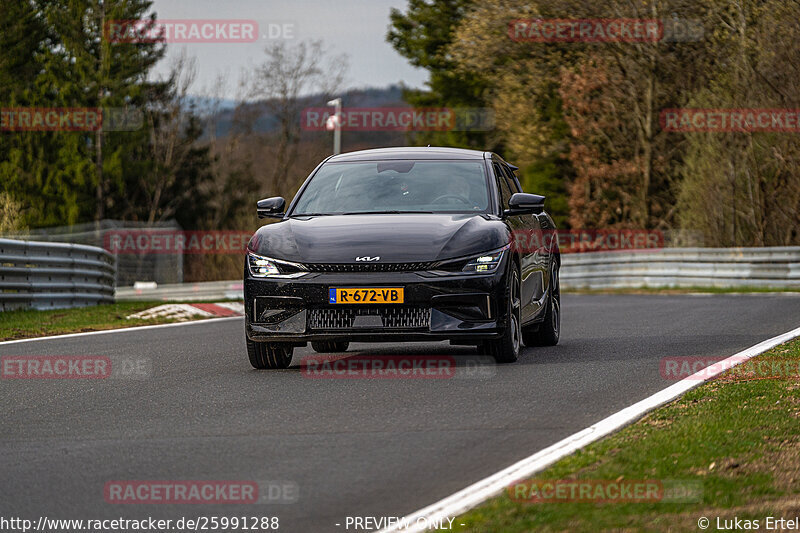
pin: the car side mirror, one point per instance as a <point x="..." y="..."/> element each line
<point x="523" y="203"/>
<point x="271" y="207"/>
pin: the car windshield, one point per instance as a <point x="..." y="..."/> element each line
<point x="396" y="187"/>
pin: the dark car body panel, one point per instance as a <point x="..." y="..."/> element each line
<point x="394" y="238"/>
<point x="460" y="307"/>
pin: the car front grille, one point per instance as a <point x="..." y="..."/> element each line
<point x="390" y="317"/>
<point x="369" y="267"/>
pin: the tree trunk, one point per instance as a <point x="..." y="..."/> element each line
<point x="98" y="137"/>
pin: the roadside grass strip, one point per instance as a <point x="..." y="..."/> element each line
<point x="30" y="323"/>
<point x="727" y="451"/>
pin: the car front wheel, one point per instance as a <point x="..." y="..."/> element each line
<point x="547" y="332"/>
<point x="506" y="349"/>
<point x="265" y="355"/>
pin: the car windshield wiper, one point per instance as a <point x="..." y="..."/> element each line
<point x="391" y="212"/>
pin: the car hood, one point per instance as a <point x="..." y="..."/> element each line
<point x="395" y="238"/>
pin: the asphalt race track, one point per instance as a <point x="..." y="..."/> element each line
<point x="353" y="447"/>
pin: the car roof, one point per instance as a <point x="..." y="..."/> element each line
<point x="410" y="152"/>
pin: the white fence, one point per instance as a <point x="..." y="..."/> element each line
<point x="53" y="275"/>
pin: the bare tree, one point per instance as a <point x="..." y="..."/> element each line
<point x="282" y="83"/>
<point x="234" y="185"/>
<point x="173" y="167"/>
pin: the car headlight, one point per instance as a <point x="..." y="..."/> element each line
<point x="266" y="267"/>
<point x="484" y="263"/>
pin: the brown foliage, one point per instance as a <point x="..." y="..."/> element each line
<point x="604" y="192"/>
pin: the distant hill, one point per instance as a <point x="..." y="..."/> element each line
<point x="262" y="121"/>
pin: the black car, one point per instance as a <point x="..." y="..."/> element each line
<point x="403" y="244"/>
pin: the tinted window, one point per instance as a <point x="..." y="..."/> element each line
<point x="408" y="186"/>
<point x="512" y="181"/>
<point x="502" y="184"/>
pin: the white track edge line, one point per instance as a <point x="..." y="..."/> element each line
<point x="120" y="330"/>
<point x="484" y="489"/>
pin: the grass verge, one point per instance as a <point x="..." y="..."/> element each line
<point x="29" y="323"/>
<point x="737" y="437"/>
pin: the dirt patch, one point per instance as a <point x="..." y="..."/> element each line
<point x="657" y="423"/>
<point x="783" y="464"/>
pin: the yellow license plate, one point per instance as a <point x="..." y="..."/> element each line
<point x="365" y="295"/>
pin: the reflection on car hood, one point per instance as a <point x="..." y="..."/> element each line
<point x="395" y="238"/>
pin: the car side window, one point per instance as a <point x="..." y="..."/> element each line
<point x="502" y="185"/>
<point x="512" y="181"/>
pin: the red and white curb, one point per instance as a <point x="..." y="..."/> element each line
<point x="187" y="311"/>
<point x="477" y="493"/>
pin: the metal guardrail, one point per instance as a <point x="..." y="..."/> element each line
<point x="53" y="275"/>
<point x="775" y="267"/>
<point x="130" y="267"/>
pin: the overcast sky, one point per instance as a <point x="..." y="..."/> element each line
<point x="356" y="28"/>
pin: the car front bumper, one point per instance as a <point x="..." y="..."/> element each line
<point x="466" y="308"/>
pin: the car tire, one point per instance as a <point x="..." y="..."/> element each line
<point x="546" y="333"/>
<point x="330" y="346"/>
<point x="269" y="356"/>
<point x="506" y="349"/>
